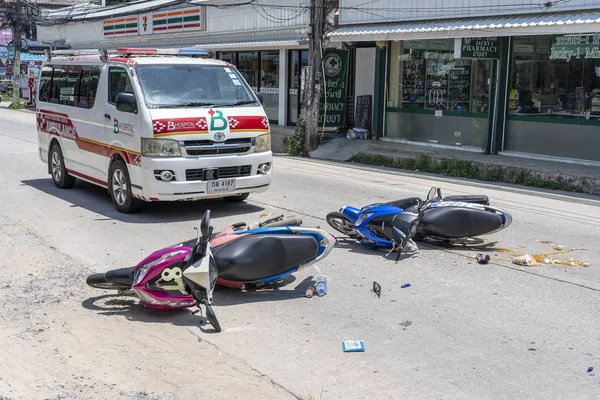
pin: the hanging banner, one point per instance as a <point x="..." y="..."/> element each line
<point x="333" y="98"/>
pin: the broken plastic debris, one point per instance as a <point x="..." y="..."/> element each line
<point x="590" y="369"/>
<point x="551" y="261"/>
<point x="377" y="288"/>
<point x="481" y="259"/>
<point x="405" y="285"/>
<point x="352" y="346"/>
<point x="526" y="261"/>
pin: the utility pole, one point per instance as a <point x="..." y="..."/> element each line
<point x="16" y="33"/>
<point x="313" y="86"/>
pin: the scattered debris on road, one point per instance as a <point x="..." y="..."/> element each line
<point x="353" y="346"/>
<point x="377" y="289"/>
<point x="481" y="259"/>
<point x="405" y="285"/>
<point x="406" y="324"/>
<point x="526" y="261"/>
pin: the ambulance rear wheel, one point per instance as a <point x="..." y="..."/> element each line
<point x="119" y="186"/>
<point x="60" y="176"/>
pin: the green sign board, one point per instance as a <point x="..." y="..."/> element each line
<point x="480" y="48"/>
<point x="568" y="47"/>
<point x="333" y="98"/>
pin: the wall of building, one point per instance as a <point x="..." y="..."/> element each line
<point x="356" y="12"/>
<point x="218" y="21"/>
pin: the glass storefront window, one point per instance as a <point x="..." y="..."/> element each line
<point x="556" y="76"/>
<point x="269" y="82"/>
<point x="263" y="78"/>
<point x="430" y="78"/>
<point x="227" y="56"/>
<point x="436" y="98"/>
<point x="298" y="63"/>
<point x="248" y="67"/>
<point x="554" y="96"/>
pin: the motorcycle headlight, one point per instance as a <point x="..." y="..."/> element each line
<point x="263" y="143"/>
<point x="141" y="273"/>
<point x="362" y="218"/>
<point x="160" y="148"/>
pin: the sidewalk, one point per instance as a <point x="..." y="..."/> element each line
<point x="5" y="104"/>
<point x="278" y="133"/>
<point x="585" y="178"/>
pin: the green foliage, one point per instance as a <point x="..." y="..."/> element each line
<point x="465" y="169"/>
<point x="16" y="106"/>
<point x="295" y="145"/>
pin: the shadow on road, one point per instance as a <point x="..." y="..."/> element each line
<point x="276" y="291"/>
<point x="130" y="308"/>
<point x="95" y="199"/>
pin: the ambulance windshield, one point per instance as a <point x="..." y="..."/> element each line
<point x="193" y="86"/>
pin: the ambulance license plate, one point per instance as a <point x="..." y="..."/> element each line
<point x="221" y="185"/>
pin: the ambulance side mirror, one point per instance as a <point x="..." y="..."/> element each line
<point x="126" y="102"/>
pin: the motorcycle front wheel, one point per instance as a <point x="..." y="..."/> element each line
<point x="99" y="281"/>
<point x="340" y="223"/>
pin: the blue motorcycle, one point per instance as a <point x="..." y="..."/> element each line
<point x="438" y="217"/>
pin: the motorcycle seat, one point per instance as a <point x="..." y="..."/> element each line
<point x="255" y="257"/>
<point x="458" y="222"/>
<point x="476" y="199"/>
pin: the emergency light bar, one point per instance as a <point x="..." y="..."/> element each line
<point x="131" y="51"/>
<point x="164" y="52"/>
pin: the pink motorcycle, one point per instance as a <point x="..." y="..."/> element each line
<point x="185" y="275"/>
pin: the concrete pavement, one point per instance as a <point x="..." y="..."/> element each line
<point x="461" y="331"/>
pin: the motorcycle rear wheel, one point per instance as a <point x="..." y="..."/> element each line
<point x="340" y="223"/>
<point x="99" y="281"/>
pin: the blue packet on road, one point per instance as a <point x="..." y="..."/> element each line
<point x="352" y="346"/>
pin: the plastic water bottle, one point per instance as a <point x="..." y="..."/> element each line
<point x="321" y="285"/>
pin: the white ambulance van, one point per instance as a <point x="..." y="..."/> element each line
<point x="152" y="125"/>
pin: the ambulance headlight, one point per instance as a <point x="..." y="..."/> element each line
<point x="263" y="143"/>
<point x="160" y="148"/>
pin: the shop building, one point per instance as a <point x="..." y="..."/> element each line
<point x="481" y="78"/>
<point x="268" y="44"/>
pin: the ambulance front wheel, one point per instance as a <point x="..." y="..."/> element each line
<point x="119" y="186"/>
<point x="236" y="199"/>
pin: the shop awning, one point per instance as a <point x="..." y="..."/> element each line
<point x="582" y="21"/>
<point x="274" y="39"/>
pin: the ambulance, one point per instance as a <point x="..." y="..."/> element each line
<point x="152" y="125"/>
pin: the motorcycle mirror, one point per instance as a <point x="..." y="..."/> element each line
<point x="212" y="317"/>
<point x="431" y="194"/>
<point x="205" y="223"/>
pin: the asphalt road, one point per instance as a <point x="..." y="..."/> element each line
<point x="461" y="331"/>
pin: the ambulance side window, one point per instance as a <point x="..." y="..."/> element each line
<point x="118" y="82"/>
<point x="57" y="77"/>
<point x="45" y="83"/>
<point x="70" y="85"/>
<point x="89" y="84"/>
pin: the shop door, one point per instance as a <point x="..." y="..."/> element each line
<point x="298" y="63"/>
<point x="458" y="91"/>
